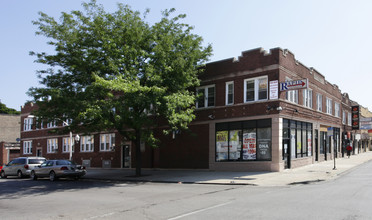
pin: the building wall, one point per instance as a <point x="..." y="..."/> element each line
<point x="196" y="148"/>
<point x="9" y="127"/>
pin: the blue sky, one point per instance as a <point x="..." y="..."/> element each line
<point x="332" y="36"/>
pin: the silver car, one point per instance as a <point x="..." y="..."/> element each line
<point x="55" y="169"/>
<point x="21" y="166"/>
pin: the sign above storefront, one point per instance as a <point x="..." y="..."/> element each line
<point x="365" y="123"/>
<point x="292" y="85"/>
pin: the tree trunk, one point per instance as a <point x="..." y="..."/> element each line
<point x="138" y="153"/>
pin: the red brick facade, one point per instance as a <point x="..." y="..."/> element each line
<point x="196" y="148"/>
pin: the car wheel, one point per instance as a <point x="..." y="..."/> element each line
<point x="52" y="176"/>
<point x="19" y="174"/>
<point x="33" y="175"/>
<point x="3" y="176"/>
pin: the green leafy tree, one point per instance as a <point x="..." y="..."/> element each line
<point x="115" y="71"/>
<point x="5" y="110"/>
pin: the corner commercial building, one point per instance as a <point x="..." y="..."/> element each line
<point x="244" y="122"/>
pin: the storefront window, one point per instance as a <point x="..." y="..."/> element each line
<point x="221" y="145"/>
<point x="243" y="141"/>
<point x="249" y="144"/>
<point x="264" y="143"/>
<point x="300" y="138"/>
<point x="235" y="145"/>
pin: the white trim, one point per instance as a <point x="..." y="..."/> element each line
<point x="328" y="106"/>
<point x="256" y="89"/>
<point x="227" y="92"/>
<point x="52" y="145"/>
<point x="108" y="141"/>
<point x="206" y="97"/>
<point x="27" y="147"/>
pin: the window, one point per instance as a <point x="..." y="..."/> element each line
<point x="349" y="118"/>
<point x="206" y="96"/>
<point x="229" y="93"/>
<point x="297" y="138"/>
<point x="329" y="106"/>
<point x="244" y="141"/>
<point x="337" y="109"/>
<point x="27" y="147"/>
<point x="52" y="145"/>
<point x="343" y="117"/>
<point x="255" y="89"/>
<point x="40" y="124"/>
<point x="308" y="98"/>
<point x="87" y="144"/>
<point x="66" y="145"/>
<point x="319" y="102"/>
<point x="27" y="124"/>
<point x="52" y="124"/>
<point x="107" y="142"/>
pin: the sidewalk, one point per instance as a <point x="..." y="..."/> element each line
<point x="317" y="172"/>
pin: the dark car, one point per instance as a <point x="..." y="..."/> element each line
<point x="55" y="169"/>
<point x="21" y="166"/>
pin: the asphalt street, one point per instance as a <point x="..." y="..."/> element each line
<point x="345" y="198"/>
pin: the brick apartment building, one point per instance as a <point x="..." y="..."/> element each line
<point x="244" y="122"/>
<point x="9" y="137"/>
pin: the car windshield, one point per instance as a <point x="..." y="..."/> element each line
<point x="64" y="162"/>
<point x="35" y="161"/>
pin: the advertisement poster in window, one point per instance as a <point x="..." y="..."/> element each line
<point x="221" y="145"/>
<point x="264" y="149"/>
<point x="309" y="144"/>
<point x="234" y="145"/>
<point x="249" y="146"/>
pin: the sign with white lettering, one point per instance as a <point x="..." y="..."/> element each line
<point x="292" y="85"/>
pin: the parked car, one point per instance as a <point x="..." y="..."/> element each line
<point x="55" y="169"/>
<point x="21" y="166"/>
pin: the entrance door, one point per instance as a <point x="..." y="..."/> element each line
<point x="125" y="156"/>
<point x="286" y="154"/>
<point x="39" y="152"/>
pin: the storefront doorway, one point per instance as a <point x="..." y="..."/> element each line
<point x="125" y="156"/>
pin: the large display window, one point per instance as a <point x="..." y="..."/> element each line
<point x="300" y="138"/>
<point x="244" y="141"/>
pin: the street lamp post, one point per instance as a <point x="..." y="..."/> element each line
<point x="77" y="138"/>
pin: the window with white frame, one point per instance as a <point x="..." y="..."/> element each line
<point x="292" y="96"/>
<point x="107" y="142"/>
<point x="255" y="89"/>
<point x="343" y="117"/>
<point x="87" y="143"/>
<point x="230" y="93"/>
<point x="52" y="145"/>
<point x="337" y="109"/>
<point x="27" y="124"/>
<point x="319" y="102"/>
<point x="66" y="145"/>
<point x="52" y="124"/>
<point x="349" y="118"/>
<point x="39" y="124"/>
<point x="329" y="106"/>
<point x="206" y="96"/>
<point x="308" y="97"/>
<point x="27" y="147"/>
